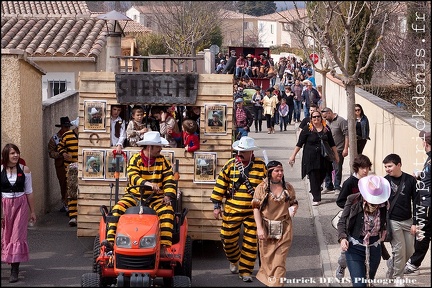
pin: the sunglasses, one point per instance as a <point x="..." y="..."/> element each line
<point x="317" y="116"/>
<point x="357" y="110"/>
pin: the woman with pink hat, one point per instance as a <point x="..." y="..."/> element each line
<point x="362" y="228"/>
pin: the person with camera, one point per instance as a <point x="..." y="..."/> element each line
<point x="236" y="183"/>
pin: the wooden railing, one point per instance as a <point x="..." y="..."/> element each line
<point x="159" y="63"/>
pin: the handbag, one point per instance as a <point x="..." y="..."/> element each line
<point x="274" y="228"/>
<point x="389" y="234"/>
<point x="326" y="150"/>
<point x="336" y="218"/>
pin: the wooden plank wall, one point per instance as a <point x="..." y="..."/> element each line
<point x="212" y="88"/>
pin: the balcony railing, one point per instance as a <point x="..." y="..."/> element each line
<point x="159" y="64"/>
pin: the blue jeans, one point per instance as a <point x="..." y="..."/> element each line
<point x="242" y="132"/>
<point x="297" y="109"/>
<point x="355" y="259"/>
<point x="306" y="110"/>
<point x="272" y="81"/>
<point x="283" y="120"/>
<point x="239" y="72"/>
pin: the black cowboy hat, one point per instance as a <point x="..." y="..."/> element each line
<point x="64" y="121"/>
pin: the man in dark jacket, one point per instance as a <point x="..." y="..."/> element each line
<point x="422" y="211"/>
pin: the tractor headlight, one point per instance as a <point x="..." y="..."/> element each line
<point x="123" y="241"/>
<point x="148" y="241"/>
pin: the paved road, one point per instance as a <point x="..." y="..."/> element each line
<point x="59" y="258"/>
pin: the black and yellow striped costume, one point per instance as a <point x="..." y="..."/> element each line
<point x="238" y="211"/>
<point x="161" y="173"/>
<point x="69" y="145"/>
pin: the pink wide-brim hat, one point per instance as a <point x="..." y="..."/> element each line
<point x="374" y="189"/>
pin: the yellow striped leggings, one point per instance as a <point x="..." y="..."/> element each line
<point x="165" y="214"/>
<point x="230" y="233"/>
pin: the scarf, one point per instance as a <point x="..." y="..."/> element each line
<point x="372" y="223"/>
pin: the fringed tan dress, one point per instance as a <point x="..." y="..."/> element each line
<point x="273" y="252"/>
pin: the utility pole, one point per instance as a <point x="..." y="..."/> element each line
<point x="243" y="26"/>
<point x="243" y="23"/>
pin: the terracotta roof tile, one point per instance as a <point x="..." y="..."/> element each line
<point x="44" y="7"/>
<point x="134" y="27"/>
<point x="54" y="36"/>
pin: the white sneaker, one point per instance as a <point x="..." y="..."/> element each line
<point x="325" y="191"/>
<point x="315" y="203"/>
<point x="246" y="278"/>
<point x="73" y="222"/>
<point x="234" y="268"/>
<point x="411" y="269"/>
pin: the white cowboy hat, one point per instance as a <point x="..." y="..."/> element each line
<point x="93" y="111"/>
<point x="374" y="189"/>
<point x="75" y="122"/>
<point x="202" y="162"/>
<point x="245" y="143"/>
<point x="153" y="138"/>
<point x="91" y="159"/>
<point x="307" y="82"/>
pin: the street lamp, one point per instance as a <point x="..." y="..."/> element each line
<point x="114" y="34"/>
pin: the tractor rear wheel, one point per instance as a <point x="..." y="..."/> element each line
<point x="90" y="280"/>
<point x="186" y="267"/>
<point x="96" y="252"/>
<point x="181" y="281"/>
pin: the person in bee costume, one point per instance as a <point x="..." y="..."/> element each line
<point x="236" y="183"/>
<point x="149" y="168"/>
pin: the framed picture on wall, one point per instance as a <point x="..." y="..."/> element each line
<point x="205" y="167"/>
<point x="94" y="115"/>
<point x="215" y="119"/>
<point x="93" y="164"/>
<point x="169" y="155"/>
<point x="110" y="165"/>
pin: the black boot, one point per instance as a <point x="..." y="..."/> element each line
<point x="14" y="273"/>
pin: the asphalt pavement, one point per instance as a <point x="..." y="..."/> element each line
<point x="58" y="257"/>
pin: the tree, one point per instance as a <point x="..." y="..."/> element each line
<point x="396" y="57"/>
<point x="256" y="8"/>
<point x="185" y="25"/>
<point x="333" y="24"/>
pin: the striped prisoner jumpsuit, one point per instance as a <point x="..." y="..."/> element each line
<point x="69" y="145"/>
<point x="238" y="211"/>
<point x="161" y="173"/>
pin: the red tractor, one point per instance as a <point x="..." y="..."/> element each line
<point x="136" y="260"/>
